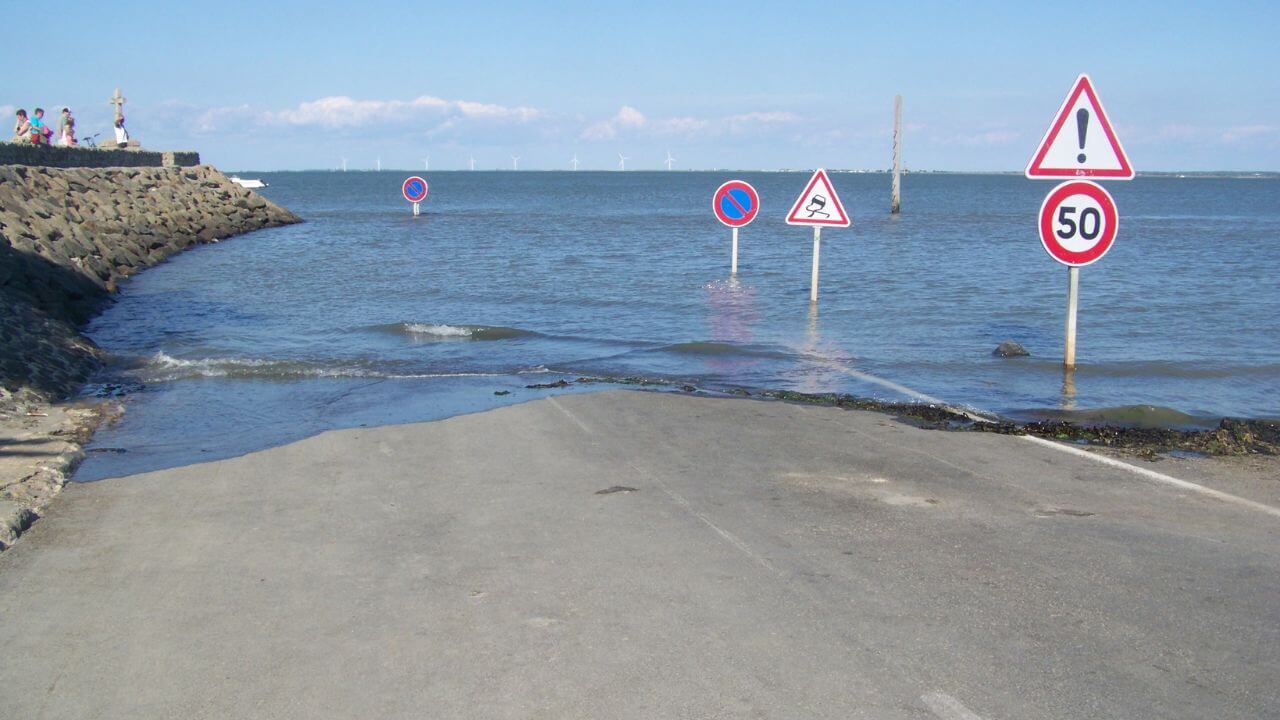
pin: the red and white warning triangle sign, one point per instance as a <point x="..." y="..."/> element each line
<point x="1080" y="141"/>
<point x="818" y="204"/>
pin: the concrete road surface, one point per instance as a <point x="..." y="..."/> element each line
<point x="643" y="555"/>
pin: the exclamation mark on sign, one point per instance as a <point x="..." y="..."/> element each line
<point x="1082" y="129"/>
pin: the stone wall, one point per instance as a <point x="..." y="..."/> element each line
<point x="83" y="157"/>
<point x="68" y="236"/>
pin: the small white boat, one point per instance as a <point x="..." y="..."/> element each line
<point x="247" y="183"/>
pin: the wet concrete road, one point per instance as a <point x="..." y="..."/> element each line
<point x="643" y="555"/>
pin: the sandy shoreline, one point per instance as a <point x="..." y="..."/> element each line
<point x="638" y="554"/>
<point x="41" y="445"/>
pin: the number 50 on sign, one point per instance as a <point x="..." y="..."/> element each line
<point x="1078" y="223"/>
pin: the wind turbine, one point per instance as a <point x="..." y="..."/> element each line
<point x="622" y="161"/>
<point x="426" y="164"/>
<point x="575" y="161"/>
<point x="515" y="162"/>
<point x="669" y="160"/>
<point x="473" y="162"/>
<point x="344" y="164"/>
<point x="379" y="163"/>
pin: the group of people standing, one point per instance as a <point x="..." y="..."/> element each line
<point x="35" y="131"/>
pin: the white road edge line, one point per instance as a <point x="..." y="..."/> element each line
<point x="902" y="389"/>
<point x="1148" y="474"/>
<point x="679" y="499"/>
<point x="570" y="415"/>
<point x="687" y="506"/>
<point x="947" y="707"/>
<point x="1157" y="477"/>
<point x="1141" y="471"/>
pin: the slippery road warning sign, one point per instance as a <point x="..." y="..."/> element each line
<point x="818" y="205"/>
<point x="1080" y="142"/>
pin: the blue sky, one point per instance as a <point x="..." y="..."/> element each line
<point x="745" y="85"/>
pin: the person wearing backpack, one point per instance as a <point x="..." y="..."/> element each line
<point x="40" y="133"/>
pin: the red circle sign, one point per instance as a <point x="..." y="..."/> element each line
<point x="735" y="203"/>
<point x="1078" y="223"/>
<point x="414" y="189"/>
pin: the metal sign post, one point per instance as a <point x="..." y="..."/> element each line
<point x="818" y="206"/>
<point x="1078" y="219"/>
<point x="1078" y="224"/>
<point x="813" y="280"/>
<point x="735" y="204"/>
<point x="414" y="190"/>
<point x="1073" y="296"/>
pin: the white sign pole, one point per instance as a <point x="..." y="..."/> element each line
<point x="415" y="210"/>
<point x="817" y="244"/>
<point x="733" y="266"/>
<point x="1073" y="295"/>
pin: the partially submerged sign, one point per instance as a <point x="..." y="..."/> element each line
<point x="819" y="205"/>
<point x="1078" y="219"/>
<point x="735" y="204"/>
<point x="1080" y="141"/>
<point x="414" y="189"/>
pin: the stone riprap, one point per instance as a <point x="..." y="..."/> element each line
<point x="67" y="238"/>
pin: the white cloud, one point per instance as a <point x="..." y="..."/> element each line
<point x="1177" y="132"/>
<point x="217" y="118"/>
<point x="341" y="111"/>
<point x="982" y="139"/>
<point x="764" y="118"/>
<point x="1164" y="134"/>
<point x="1246" y="132"/>
<point x="757" y="122"/>
<point x="821" y="138"/>
<point x="629" y="118"/>
<point x="681" y="126"/>
<point x="992" y="137"/>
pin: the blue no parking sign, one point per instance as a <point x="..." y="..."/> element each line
<point x="414" y="189"/>
<point x="735" y="203"/>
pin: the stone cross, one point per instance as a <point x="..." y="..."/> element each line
<point x="118" y="101"/>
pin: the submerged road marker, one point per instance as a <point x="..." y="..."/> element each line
<point x="1078" y="223"/>
<point x="819" y="206"/>
<point x="414" y="190"/>
<point x="735" y="204"/>
<point x="1078" y="219"/>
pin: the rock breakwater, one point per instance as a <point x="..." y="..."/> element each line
<point x="68" y="236"/>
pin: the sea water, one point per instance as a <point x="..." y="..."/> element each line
<point x="365" y="314"/>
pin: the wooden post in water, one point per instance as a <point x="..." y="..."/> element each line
<point x="1073" y="294"/>
<point x="895" y="204"/>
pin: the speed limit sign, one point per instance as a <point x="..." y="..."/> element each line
<point x="1078" y="223"/>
